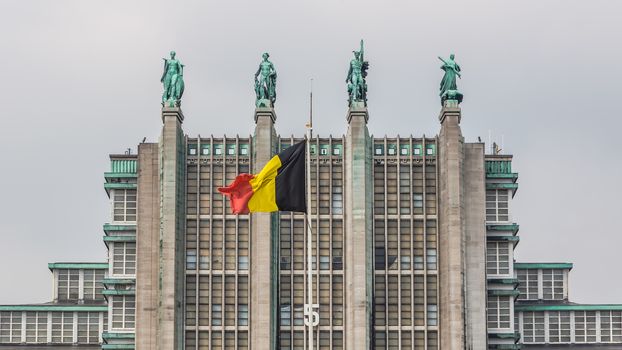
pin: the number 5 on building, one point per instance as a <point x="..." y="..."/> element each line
<point x="310" y="313"/>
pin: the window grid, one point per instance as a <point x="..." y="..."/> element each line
<point x="124" y="258"/>
<point x="123" y="312"/>
<point x="497" y="202"/>
<point x="124" y="205"/>
<point x="498" y="258"/>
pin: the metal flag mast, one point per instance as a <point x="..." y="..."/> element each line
<point x="312" y="318"/>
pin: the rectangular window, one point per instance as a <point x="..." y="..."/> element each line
<point x="432" y="315"/>
<point x="378" y="150"/>
<point x="242" y="315"/>
<point x="552" y="284"/>
<point x="244" y="150"/>
<point x="417" y="150"/>
<point x="430" y="150"/>
<point x="88" y="327"/>
<point x="611" y="326"/>
<point x="217" y="150"/>
<point x="497" y="258"/>
<point x="497" y="205"/>
<point x="205" y="149"/>
<point x="559" y="327"/>
<point x="533" y="327"/>
<point x="418" y="200"/>
<point x="124" y="258"/>
<point x="392" y="150"/>
<point x="404" y="150"/>
<point x="68" y="284"/>
<point x="499" y="317"/>
<point x="242" y="262"/>
<point x="528" y="284"/>
<point x="124" y="205"/>
<point x="216" y="314"/>
<point x="323" y="151"/>
<point x="93" y="284"/>
<point x="123" y="312"/>
<point x="585" y="326"/>
<point x="336" y="150"/>
<point x="192" y="150"/>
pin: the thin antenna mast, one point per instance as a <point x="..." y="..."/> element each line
<point x="312" y="317"/>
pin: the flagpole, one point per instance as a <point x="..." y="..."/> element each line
<point x="309" y="309"/>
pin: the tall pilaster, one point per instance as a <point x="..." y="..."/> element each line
<point x="451" y="233"/>
<point x="171" y="240"/>
<point x="358" y="231"/>
<point x="264" y="246"/>
<point x="147" y="246"/>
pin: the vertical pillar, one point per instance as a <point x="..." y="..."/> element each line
<point x="358" y="231"/>
<point x="147" y="246"/>
<point x="475" y="245"/>
<point x="451" y="238"/>
<point x="263" y="282"/>
<point x="171" y="239"/>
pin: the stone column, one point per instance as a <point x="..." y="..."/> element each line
<point x="358" y="231"/>
<point x="147" y="246"/>
<point x="475" y="245"/>
<point x="451" y="238"/>
<point x="171" y="240"/>
<point x="263" y="281"/>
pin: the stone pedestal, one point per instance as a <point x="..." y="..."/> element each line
<point x="172" y="227"/>
<point x="451" y="237"/>
<point x="264" y="271"/>
<point x="358" y="201"/>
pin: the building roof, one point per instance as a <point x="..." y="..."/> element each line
<point x="65" y="306"/>
<point x="542" y="265"/>
<point x="78" y="265"/>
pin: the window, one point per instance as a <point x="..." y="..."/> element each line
<point x="191" y="259"/>
<point x="230" y="150"/>
<point x="242" y="262"/>
<point x="286" y="314"/>
<point x="217" y="150"/>
<point x="417" y="150"/>
<point x="192" y="150"/>
<point x="418" y="200"/>
<point x="93" y="285"/>
<point x="68" y="284"/>
<point x="585" y="326"/>
<point x="431" y="259"/>
<point x="124" y="205"/>
<point x="552" y="284"/>
<point x="429" y="150"/>
<point x="498" y="258"/>
<point x="216" y="314"/>
<point x="243" y="315"/>
<point x="378" y="150"/>
<point x="611" y="326"/>
<point x="336" y="150"/>
<point x="559" y="327"/>
<point x="123" y="311"/>
<point x="391" y="150"/>
<point x="323" y="150"/>
<point x="205" y="149"/>
<point x="533" y="327"/>
<point x="62" y="327"/>
<point x="499" y="312"/>
<point x="404" y="150"/>
<point x="497" y="205"/>
<point x="124" y="258"/>
<point x="88" y="327"/>
<point x="11" y="327"/>
<point x="432" y="315"/>
<point x="244" y="150"/>
<point x="528" y="284"/>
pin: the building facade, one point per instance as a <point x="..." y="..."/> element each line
<point x="412" y="248"/>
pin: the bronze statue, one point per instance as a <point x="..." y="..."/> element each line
<point x="449" y="89"/>
<point x="357" y="85"/>
<point x="265" y="83"/>
<point x="173" y="80"/>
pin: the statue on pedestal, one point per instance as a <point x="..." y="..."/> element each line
<point x="173" y="80"/>
<point x="449" y="89"/>
<point x="357" y="85"/>
<point x="265" y="83"/>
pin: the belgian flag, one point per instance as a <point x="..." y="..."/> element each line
<point x="279" y="186"/>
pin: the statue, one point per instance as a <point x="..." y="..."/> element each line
<point x="449" y="89"/>
<point x="357" y="85"/>
<point x="173" y="80"/>
<point x="265" y="83"/>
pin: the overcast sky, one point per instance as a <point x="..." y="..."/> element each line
<point x="80" y="80"/>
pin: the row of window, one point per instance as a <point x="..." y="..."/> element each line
<point x="218" y="149"/>
<point x="404" y="150"/>
<point x="542" y="284"/>
<point x="229" y="340"/>
<point x="570" y="326"/>
<point x="216" y="300"/>
<point x="69" y="281"/>
<point x="51" y="327"/>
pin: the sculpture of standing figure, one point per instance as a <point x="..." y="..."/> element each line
<point x="449" y="89"/>
<point x="357" y="85"/>
<point x="265" y="83"/>
<point x="173" y="80"/>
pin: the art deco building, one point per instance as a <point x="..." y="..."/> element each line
<point x="412" y="248"/>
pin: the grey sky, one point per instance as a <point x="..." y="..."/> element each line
<point x="80" y="80"/>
